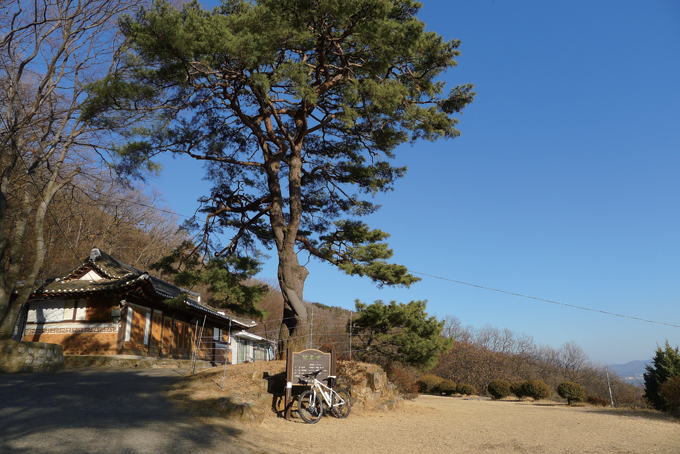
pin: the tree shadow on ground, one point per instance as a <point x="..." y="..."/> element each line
<point x="100" y="410"/>
<point x="651" y="415"/>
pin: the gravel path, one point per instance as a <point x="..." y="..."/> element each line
<point x="456" y="425"/>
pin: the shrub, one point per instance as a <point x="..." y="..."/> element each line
<point x="428" y="382"/>
<point x="665" y="365"/>
<point x="571" y="391"/>
<point x="447" y="387"/>
<point x="630" y="396"/>
<point x="517" y="389"/>
<point x="498" y="389"/>
<point x="670" y="391"/>
<point x="536" y="389"/>
<point x="596" y="401"/>
<point x="466" y="390"/>
<point x="404" y="379"/>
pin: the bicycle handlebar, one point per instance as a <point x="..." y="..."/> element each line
<point x="313" y="374"/>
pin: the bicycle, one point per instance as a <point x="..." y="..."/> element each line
<point x="310" y="405"/>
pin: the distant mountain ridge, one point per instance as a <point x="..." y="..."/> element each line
<point x="631" y="372"/>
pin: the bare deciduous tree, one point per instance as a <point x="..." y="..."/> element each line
<point x="98" y="211"/>
<point x="49" y="51"/>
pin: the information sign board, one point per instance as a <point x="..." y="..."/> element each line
<point x="309" y="361"/>
<point x="305" y="362"/>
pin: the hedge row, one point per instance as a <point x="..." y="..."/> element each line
<point x="431" y="384"/>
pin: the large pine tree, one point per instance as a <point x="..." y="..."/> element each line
<point x="297" y="107"/>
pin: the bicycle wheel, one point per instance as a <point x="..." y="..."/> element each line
<point x="340" y="403"/>
<point x="310" y="407"/>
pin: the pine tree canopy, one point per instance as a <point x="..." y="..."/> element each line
<point x="296" y="107"/>
<point x="399" y="332"/>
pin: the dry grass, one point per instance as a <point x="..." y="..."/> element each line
<point x="435" y="424"/>
<point x="198" y="393"/>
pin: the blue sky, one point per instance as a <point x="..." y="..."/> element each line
<point x="564" y="186"/>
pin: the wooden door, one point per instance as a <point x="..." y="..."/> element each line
<point x="167" y="336"/>
<point x="156" y="330"/>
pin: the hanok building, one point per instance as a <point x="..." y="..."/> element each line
<point x="105" y="307"/>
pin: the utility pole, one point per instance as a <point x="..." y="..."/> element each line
<point x="611" y="399"/>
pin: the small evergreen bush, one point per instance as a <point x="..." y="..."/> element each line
<point x="596" y="401"/>
<point x="428" y="383"/>
<point x="447" y="387"/>
<point x="466" y="390"/>
<point x="498" y="389"/>
<point x="536" y="389"/>
<point x="517" y="389"/>
<point x="571" y="391"/>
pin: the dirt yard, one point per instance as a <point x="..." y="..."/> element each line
<point x="457" y="425"/>
<point x="432" y="424"/>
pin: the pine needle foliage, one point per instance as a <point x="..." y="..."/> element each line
<point x="297" y="108"/>
<point x="665" y="365"/>
<point x="399" y="332"/>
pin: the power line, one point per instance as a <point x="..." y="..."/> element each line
<point x="546" y="301"/>
<point x="438" y="277"/>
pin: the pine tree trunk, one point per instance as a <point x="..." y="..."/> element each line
<point x="291" y="276"/>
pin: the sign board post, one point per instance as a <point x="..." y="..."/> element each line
<point x="305" y="362"/>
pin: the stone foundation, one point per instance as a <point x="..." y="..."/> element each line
<point x="131" y="361"/>
<point x="30" y="356"/>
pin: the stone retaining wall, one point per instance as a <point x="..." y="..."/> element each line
<point x="130" y="361"/>
<point x="373" y="391"/>
<point x="30" y="356"/>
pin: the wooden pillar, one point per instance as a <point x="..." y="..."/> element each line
<point x="332" y="371"/>
<point x="289" y="383"/>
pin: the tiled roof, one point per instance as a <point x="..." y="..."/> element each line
<point x="78" y="286"/>
<point x="118" y="275"/>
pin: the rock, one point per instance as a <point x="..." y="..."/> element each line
<point x="264" y="399"/>
<point x="262" y="385"/>
<point x="393" y="403"/>
<point x="377" y="380"/>
<point x="241" y="411"/>
<point x="253" y="414"/>
<point x="357" y="405"/>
